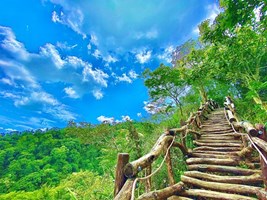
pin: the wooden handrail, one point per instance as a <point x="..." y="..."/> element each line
<point x="261" y="142"/>
<point x="132" y="169"/>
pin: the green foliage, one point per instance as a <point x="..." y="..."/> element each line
<point x="30" y="160"/>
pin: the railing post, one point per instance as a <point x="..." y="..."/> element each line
<point x="120" y="179"/>
<point x="169" y="166"/>
<point x="263" y="136"/>
<point x="148" y="181"/>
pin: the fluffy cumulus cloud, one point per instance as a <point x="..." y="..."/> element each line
<point x="112" y="120"/>
<point x="143" y="56"/>
<point x="128" y="78"/>
<point x="166" y="55"/>
<point x="71" y="92"/>
<point x="26" y="72"/>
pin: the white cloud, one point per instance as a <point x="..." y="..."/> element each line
<point x="9" y="95"/>
<point x="103" y="119"/>
<point x="97" y="54"/>
<point x="75" y="61"/>
<point x="89" y="46"/>
<point x="65" y="46"/>
<point x="17" y="72"/>
<point x="49" y="50"/>
<point x="94" y="39"/>
<point x="126" y="118"/>
<point x="152" y="34"/>
<point x="73" y="19"/>
<point x="124" y="78"/>
<point x="143" y="56"/>
<point x="196" y="31"/>
<point x="110" y="59"/>
<point x="167" y="54"/>
<point x="213" y="11"/>
<point x="139" y="114"/>
<point x="154" y="107"/>
<point x="55" y="18"/>
<point x="6" y="81"/>
<point x="133" y="74"/>
<point x="10" y="130"/>
<point x="71" y="92"/>
<point x="97" y="75"/>
<point x="98" y="94"/>
<point x="10" y="44"/>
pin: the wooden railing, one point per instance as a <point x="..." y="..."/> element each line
<point x="127" y="172"/>
<point x="255" y="139"/>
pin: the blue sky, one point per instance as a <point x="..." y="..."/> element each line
<point x="79" y="60"/>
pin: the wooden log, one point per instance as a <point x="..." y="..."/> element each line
<point x="164" y="193"/>
<point x="131" y="169"/>
<point x="120" y="179"/>
<point x="247" y="126"/>
<point x="169" y="166"/>
<point x="181" y="147"/>
<point x="198" y="134"/>
<point x="208" y="148"/>
<point x="126" y="191"/>
<point x="217" y="141"/>
<point x="148" y="180"/>
<point x="175" y="131"/>
<point x="251" y="179"/>
<point x="220" y="135"/>
<point x="179" y="198"/>
<point x="221" y="187"/>
<point x="246" y="152"/>
<point x="217" y="131"/>
<point x="207" y="194"/>
<point x="223" y="169"/>
<point x="260" y="143"/>
<point x="214" y="161"/>
<point x="207" y="155"/>
<point x="232" y="153"/>
<point x="217" y="144"/>
<point x="231" y="116"/>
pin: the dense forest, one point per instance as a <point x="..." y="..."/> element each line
<point x="78" y="162"/>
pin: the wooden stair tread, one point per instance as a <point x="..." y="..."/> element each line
<point x="221" y="187"/>
<point x="216" y="161"/>
<point x="202" y="140"/>
<point x="214" y="195"/>
<point x="225" y="149"/>
<point x="250" y="179"/>
<point x="222" y="168"/>
<point x="208" y="155"/>
<point x="217" y="144"/>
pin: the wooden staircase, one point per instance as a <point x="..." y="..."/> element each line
<point x="216" y="169"/>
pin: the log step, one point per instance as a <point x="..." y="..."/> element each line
<point x="214" y="195"/>
<point x="209" y="148"/>
<point x="207" y="155"/>
<point x="233" y="153"/>
<point x="223" y="169"/>
<point x="227" y="162"/>
<point x="217" y="141"/>
<point x="217" y="144"/>
<point x="179" y="198"/>
<point x="221" y="187"/>
<point x="251" y="179"/>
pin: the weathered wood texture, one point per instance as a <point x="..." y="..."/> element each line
<point x="120" y="179"/>
<point x="164" y="193"/>
<point x="132" y="168"/>
<point x="126" y="191"/>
